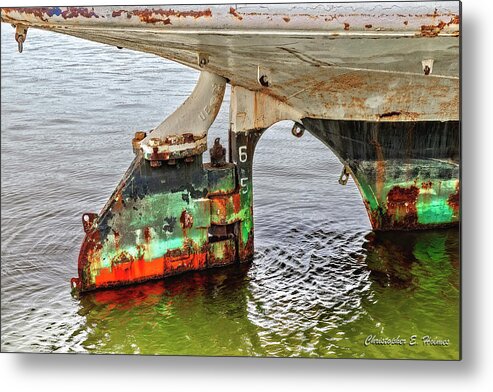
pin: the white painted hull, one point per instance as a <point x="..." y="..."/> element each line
<point x="361" y="61"/>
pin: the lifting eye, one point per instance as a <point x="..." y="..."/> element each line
<point x="264" y="80"/>
<point x="20" y="36"/>
<point x="344" y="175"/>
<point x="298" y="130"/>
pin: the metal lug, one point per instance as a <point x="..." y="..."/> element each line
<point x="427" y="66"/>
<point x="218" y="154"/>
<point x="139" y="136"/>
<point x="298" y="130"/>
<point x="20" y="36"/>
<point x="343" y="179"/>
<point x="203" y="60"/>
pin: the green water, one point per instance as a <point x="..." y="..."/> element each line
<point x="403" y="285"/>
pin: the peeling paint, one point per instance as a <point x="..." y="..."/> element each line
<point x="233" y="12"/>
<point x="157" y="15"/>
<point x="405" y="180"/>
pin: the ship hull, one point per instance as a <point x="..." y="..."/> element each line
<point x="407" y="172"/>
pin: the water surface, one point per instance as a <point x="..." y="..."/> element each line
<point x="321" y="281"/>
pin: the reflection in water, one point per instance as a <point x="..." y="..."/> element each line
<point x="420" y="273"/>
<point x="396" y="259"/>
<point x="195" y="314"/>
<point x="309" y="298"/>
<point x="306" y="291"/>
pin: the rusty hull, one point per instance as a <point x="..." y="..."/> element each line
<point x="360" y="61"/>
<point x="407" y="172"/>
<point x="161" y="221"/>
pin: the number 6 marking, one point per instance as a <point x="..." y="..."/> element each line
<point x="242" y="154"/>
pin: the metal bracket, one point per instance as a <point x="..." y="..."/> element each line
<point x="263" y="77"/>
<point x="298" y="130"/>
<point x="203" y="60"/>
<point x="88" y="220"/>
<point x="184" y="133"/>
<point x="20" y="36"/>
<point x="427" y="66"/>
<point x="218" y="154"/>
<point x="139" y="136"/>
<point x="343" y="179"/>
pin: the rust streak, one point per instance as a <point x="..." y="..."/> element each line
<point x="394" y="115"/>
<point x="401" y="206"/>
<point x="228" y="255"/>
<point x="116" y="234"/>
<point x="75" y="12"/>
<point x="380" y="168"/>
<point x="43" y="13"/>
<point x="186" y="220"/>
<point x="390" y="114"/>
<point x="118" y="203"/>
<point x="434" y="30"/>
<point x="160" y="15"/>
<point x="454" y="199"/>
<point x="454" y="20"/>
<point x="116" y="14"/>
<point x="147" y="235"/>
<point x="246" y="252"/>
<point x="233" y="12"/>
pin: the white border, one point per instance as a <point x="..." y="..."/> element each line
<point x="90" y="373"/>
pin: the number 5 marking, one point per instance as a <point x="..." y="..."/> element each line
<point x="244" y="185"/>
